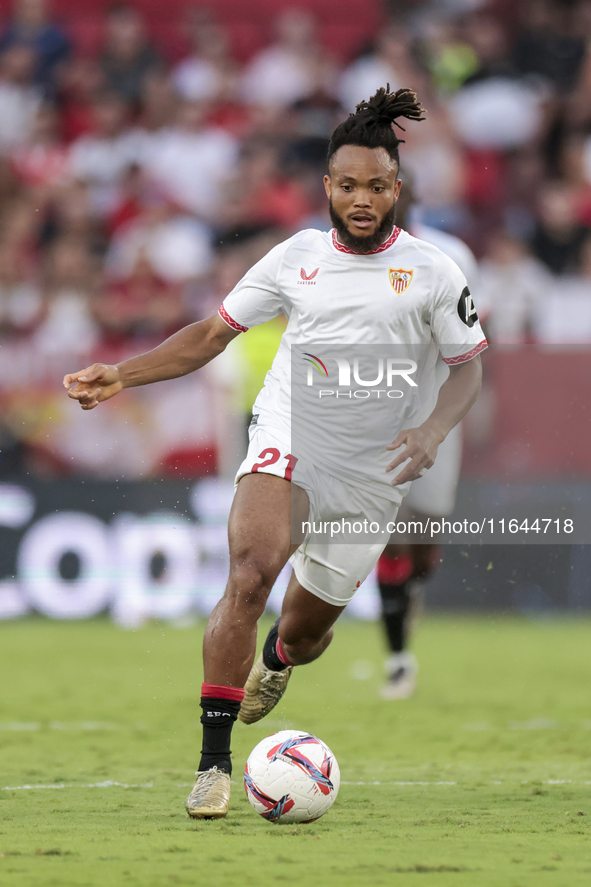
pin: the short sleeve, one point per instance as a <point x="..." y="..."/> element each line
<point x="256" y="298"/>
<point x="454" y="320"/>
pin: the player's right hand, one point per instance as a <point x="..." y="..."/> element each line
<point x="93" y="385"/>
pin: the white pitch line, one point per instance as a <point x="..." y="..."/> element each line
<point x="77" y="726"/>
<point x="21" y="727"/>
<point x="532" y="724"/>
<point x="398" y="783"/>
<point x="109" y="783"/>
<point x="493" y="782"/>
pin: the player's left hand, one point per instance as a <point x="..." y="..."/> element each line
<point x="420" y="446"/>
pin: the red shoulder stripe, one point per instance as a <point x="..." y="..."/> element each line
<point x="453" y="361"/>
<point x="230" y="321"/>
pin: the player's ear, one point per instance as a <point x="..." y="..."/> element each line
<point x="327" y="186"/>
<point x="397" y="188"/>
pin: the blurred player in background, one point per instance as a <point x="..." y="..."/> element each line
<point x="404" y="566"/>
<point x="258" y="352"/>
<point x="333" y="287"/>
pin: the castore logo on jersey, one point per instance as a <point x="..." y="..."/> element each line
<point x="308" y="278"/>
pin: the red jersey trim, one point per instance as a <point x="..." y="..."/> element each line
<point x="452" y="361"/>
<point x="380" y="249"/>
<point x="230" y="321"/>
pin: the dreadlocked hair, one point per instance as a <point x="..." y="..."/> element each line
<point x="372" y="124"/>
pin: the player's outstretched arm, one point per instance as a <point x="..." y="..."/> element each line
<point x="456" y="396"/>
<point x="185" y="351"/>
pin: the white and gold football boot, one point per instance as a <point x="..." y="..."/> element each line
<point x="210" y="795"/>
<point x="264" y="688"/>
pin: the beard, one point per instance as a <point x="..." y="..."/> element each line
<point x="358" y="243"/>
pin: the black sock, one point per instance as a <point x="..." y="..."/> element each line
<point x="270" y="657"/>
<point x="395" y="606"/>
<point x="218" y="719"/>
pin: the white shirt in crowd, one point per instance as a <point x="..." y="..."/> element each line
<point x="511" y="297"/>
<point x="363" y="78"/>
<point x="196" y="79"/>
<point x="564" y="315"/>
<point x="20" y="304"/>
<point x="178" y="248"/>
<point x="192" y="167"/>
<point x="279" y="76"/>
<point x="18" y="109"/>
<point x="102" y="163"/>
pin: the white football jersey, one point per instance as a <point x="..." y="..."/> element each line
<point x="404" y="293"/>
<point x="464" y="258"/>
<point x="456" y="249"/>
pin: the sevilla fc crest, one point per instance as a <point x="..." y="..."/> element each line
<point x="400" y="279"/>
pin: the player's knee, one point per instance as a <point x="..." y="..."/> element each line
<point x="250" y="584"/>
<point x="296" y="636"/>
<point x="302" y="644"/>
<point x="299" y="651"/>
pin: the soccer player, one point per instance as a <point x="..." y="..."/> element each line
<point x="402" y="568"/>
<point x="342" y="286"/>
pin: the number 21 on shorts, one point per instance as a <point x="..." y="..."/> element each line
<point x="272" y="455"/>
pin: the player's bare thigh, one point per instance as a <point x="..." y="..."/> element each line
<point x="264" y="511"/>
<point x="259" y="532"/>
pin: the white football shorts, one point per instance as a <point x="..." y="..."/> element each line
<point x="331" y="571"/>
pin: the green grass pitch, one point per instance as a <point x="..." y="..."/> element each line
<point x="482" y="779"/>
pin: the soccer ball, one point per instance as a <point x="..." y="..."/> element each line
<point x="291" y="777"/>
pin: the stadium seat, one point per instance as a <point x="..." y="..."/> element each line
<point x="63" y="11"/>
<point x="346" y="41"/>
<point x="190" y="462"/>
<point x="169" y="39"/>
<point x="246" y="40"/>
<point x="344" y="28"/>
<point x="87" y="35"/>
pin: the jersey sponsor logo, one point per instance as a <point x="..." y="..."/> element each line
<point x="308" y="278"/>
<point x="466" y="309"/>
<point x="400" y="279"/>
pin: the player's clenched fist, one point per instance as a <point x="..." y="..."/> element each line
<point x="93" y="385"/>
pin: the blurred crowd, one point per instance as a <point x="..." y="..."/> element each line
<point x="138" y="182"/>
